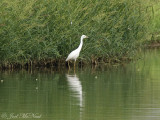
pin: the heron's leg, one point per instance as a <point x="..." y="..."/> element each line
<point x="74" y="63"/>
<point x="68" y="65"/>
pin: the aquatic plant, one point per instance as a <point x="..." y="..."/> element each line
<point x="38" y="32"/>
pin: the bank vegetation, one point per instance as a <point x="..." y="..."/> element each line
<point x="44" y="32"/>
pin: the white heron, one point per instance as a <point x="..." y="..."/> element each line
<point x="75" y="53"/>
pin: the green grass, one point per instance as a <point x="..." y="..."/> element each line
<point x="153" y="11"/>
<point x="34" y="31"/>
<point x="155" y="25"/>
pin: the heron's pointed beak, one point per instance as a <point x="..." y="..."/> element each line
<point x="87" y="37"/>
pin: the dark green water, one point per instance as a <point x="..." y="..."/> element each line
<point x="125" y="92"/>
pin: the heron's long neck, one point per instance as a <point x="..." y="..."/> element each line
<point x="80" y="46"/>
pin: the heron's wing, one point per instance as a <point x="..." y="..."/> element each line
<point x="72" y="55"/>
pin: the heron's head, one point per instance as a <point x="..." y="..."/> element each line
<point x="84" y="36"/>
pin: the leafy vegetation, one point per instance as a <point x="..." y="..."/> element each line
<point x="155" y="21"/>
<point x="40" y="32"/>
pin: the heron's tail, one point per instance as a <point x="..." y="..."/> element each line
<point x="66" y="59"/>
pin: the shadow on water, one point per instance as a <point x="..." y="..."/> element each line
<point x="76" y="87"/>
<point x="124" y="92"/>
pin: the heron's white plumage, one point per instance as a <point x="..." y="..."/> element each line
<point x="75" y="53"/>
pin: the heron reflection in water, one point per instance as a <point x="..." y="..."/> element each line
<point x="76" y="87"/>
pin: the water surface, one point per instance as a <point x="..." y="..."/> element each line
<point x="125" y="92"/>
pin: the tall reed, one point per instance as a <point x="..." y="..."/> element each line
<point x="32" y="30"/>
